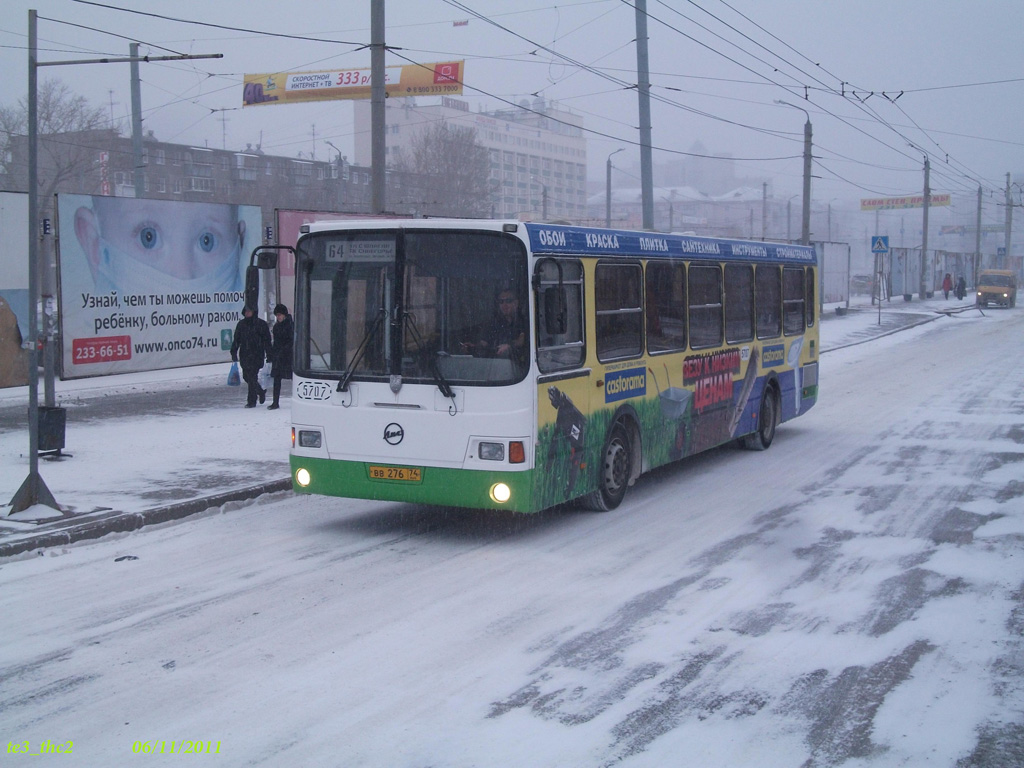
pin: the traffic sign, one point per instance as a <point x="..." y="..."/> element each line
<point x="880" y="244"/>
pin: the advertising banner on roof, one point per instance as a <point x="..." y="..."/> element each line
<point x="909" y="201"/>
<point x="439" y="79"/>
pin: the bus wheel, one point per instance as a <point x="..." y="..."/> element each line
<point x="614" y="472"/>
<point x="767" y="420"/>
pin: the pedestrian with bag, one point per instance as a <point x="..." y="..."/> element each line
<point x="250" y="348"/>
<point x="947" y="285"/>
<point x="283" y="334"/>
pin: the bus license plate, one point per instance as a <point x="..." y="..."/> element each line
<point x="405" y="474"/>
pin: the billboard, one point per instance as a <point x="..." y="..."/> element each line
<point x="149" y="284"/>
<point x="908" y="201"/>
<point x="444" y="78"/>
<point x="13" y="289"/>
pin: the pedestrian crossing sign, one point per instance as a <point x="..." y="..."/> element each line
<point x="880" y="244"/>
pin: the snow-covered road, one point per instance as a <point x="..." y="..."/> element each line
<point x="854" y="596"/>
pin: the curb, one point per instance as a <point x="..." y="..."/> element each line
<point x="890" y="332"/>
<point x="119" y="522"/>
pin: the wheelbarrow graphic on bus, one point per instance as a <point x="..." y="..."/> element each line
<point x="674" y="401"/>
<point x="675" y="405"/>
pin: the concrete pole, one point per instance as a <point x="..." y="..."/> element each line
<point x="644" y="98"/>
<point x="764" y="210"/>
<point x="924" y="232"/>
<point x="377" y="119"/>
<point x="805" y="232"/>
<point x="140" y="168"/>
<point x="977" y="243"/>
<point x="1005" y="262"/>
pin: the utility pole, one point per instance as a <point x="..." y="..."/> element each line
<point x="1009" y="226"/>
<point x="977" y="242"/>
<point x="140" y="168"/>
<point x="33" y="490"/>
<point x="764" y="210"/>
<point x="644" y="98"/>
<point x="805" y="229"/>
<point x="377" y="119"/>
<point x="924" y="237"/>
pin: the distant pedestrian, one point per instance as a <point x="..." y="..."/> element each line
<point x="250" y="348"/>
<point x="947" y="285"/>
<point x="281" y="351"/>
<point x="961" y="288"/>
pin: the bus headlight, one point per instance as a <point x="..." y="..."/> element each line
<point x="492" y="451"/>
<point x="302" y="476"/>
<point x="310" y="438"/>
<point x="500" y="493"/>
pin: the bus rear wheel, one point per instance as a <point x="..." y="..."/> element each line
<point x="767" y="420"/>
<point x="614" y="471"/>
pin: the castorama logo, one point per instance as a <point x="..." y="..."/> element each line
<point x="624" y="384"/>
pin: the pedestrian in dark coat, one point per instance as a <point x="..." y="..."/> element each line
<point x="250" y="348"/>
<point x="281" y="351"/>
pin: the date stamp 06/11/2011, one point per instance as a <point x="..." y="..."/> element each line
<point x="175" y="747"/>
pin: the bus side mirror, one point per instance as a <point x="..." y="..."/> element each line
<point x="555" y="310"/>
<point x="266" y="260"/>
<point x="252" y="286"/>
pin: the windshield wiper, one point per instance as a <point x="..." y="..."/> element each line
<point x="435" y="369"/>
<point x="361" y="350"/>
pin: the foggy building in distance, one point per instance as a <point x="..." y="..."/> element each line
<point x="538" y="153"/>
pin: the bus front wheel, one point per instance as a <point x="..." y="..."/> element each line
<point x="767" y="420"/>
<point x="614" y="471"/>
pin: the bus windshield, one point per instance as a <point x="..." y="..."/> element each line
<point x="430" y="306"/>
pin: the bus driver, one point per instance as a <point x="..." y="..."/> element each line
<point x="506" y="336"/>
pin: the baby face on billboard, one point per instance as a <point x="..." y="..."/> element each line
<point x="147" y="246"/>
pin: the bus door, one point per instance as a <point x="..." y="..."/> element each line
<point x="564" y="383"/>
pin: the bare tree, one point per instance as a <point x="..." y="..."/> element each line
<point x="454" y="169"/>
<point x="70" y="131"/>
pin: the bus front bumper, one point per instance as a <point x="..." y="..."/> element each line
<point x="473" y="489"/>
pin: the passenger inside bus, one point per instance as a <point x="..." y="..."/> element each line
<point x="506" y="335"/>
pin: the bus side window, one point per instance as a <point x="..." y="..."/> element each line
<point x="559" y="309"/>
<point x="768" y="301"/>
<point x="665" y="294"/>
<point x="705" y="305"/>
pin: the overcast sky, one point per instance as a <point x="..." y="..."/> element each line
<point x="946" y="76"/>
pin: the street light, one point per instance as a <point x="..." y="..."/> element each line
<point x="333" y="147"/>
<point x="608" y="190"/>
<point x="805" y="234"/>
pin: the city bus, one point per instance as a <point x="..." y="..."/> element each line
<point x="509" y="365"/>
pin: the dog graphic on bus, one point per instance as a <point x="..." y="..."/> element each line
<point x="570" y="432"/>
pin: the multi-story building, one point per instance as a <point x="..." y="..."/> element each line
<point x="538" y="153"/>
<point x="102" y="163"/>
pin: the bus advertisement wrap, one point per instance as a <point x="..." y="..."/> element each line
<point x="149" y="284"/>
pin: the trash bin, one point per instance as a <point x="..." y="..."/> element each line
<point x="51" y="428"/>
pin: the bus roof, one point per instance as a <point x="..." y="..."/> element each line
<point x="550" y="238"/>
<point x="592" y="241"/>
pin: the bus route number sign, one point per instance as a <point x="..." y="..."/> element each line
<point x="401" y="474"/>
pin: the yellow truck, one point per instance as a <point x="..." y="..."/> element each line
<point x="997" y="286"/>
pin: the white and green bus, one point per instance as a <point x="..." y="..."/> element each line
<point x="510" y="365"/>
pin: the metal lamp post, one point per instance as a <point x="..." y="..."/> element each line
<point x="608" y="190"/>
<point x="805" y="233"/>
